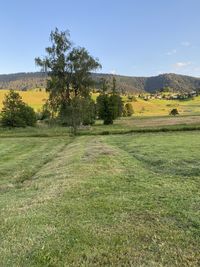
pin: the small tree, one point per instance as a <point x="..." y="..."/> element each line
<point x="128" y="110"/>
<point x="79" y="111"/>
<point x="116" y="101"/>
<point x="116" y="106"/>
<point x="109" y="106"/>
<point x="174" y="112"/>
<point x="89" y="111"/>
<point x="16" y="113"/>
<point x="104" y="109"/>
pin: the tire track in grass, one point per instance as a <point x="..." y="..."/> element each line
<point x="29" y="175"/>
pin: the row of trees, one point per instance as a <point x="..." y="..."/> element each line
<point x="109" y="106"/>
<point x="69" y="85"/>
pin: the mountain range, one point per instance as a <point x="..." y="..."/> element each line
<point x="178" y="83"/>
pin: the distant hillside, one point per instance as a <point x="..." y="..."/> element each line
<point x="179" y="83"/>
<point x="23" y="81"/>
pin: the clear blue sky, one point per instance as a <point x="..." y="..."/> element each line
<point x="130" y="37"/>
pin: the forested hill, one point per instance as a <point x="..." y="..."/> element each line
<point x="179" y="83"/>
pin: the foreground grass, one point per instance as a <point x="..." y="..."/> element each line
<point x="128" y="200"/>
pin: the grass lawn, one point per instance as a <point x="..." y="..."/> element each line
<point x="117" y="200"/>
<point x="120" y="126"/>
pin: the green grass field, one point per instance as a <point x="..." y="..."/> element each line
<point x="116" y="200"/>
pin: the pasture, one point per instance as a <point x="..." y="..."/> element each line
<point x="161" y="107"/>
<point x="117" y="200"/>
<point x="142" y="108"/>
<point x="120" y="195"/>
<point x="34" y="98"/>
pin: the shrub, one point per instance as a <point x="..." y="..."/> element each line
<point x="88" y="111"/>
<point x="104" y="109"/>
<point x="174" y="112"/>
<point x="128" y="110"/>
<point x="16" y="113"/>
<point x="79" y="111"/>
<point x="116" y="106"/>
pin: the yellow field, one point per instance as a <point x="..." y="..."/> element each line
<point x="154" y="107"/>
<point x="32" y="98"/>
<point x="158" y="107"/>
<point x="161" y="107"/>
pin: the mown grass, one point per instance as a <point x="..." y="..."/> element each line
<point x="145" y="124"/>
<point x="120" y="126"/>
<point x="123" y="200"/>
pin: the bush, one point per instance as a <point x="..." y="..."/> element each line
<point x="16" y="113"/>
<point x="79" y="111"/>
<point x="128" y="110"/>
<point x="116" y="106"/>
<point x="174" y="112"/>
<point x="109" y="107"/>
<point x="88" y="111"/>
<point x="104" y="109"/>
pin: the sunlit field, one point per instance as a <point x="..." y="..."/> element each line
<point x="33" y="98"/>
<point x="163" y="107"/>
<point x="154" y="107"/>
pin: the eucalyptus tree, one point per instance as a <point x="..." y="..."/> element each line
<point x="69" y="76"/>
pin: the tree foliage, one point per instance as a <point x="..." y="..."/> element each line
<point x="128" y="110"/>
<point x="69" y="85"/>
<point x="69" y="69"/>
<point x="109" y="105"/>
<point x="174" y="112"/>
<point x="16" y="113"/>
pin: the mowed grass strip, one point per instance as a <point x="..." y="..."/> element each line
<point x="21" y="158"/>
<point x="106" y="201"/>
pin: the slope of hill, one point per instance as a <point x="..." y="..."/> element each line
<point x="23" y="81"/>
<point x="179" y="83"/>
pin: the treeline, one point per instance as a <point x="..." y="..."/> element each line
<point x="125" y="84"/>
<point x="38" y="80"/>
<point x="23" y="81"/>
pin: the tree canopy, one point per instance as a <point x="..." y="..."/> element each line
<point x="69" y="85"/>
<point x="69" y="69"/>
<point x="109" y="104"/>
<point x="16" y="113"/>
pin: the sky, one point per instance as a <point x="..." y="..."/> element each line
<point x="130" y="37"/>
